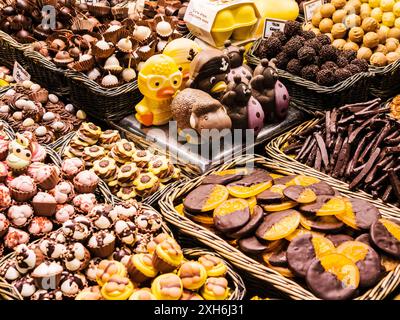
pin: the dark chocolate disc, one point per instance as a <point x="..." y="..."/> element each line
<point x="270" y="230"/>
<point x="385" y="239"/>
<point x="323" y="223"/>
<point x="255" y="177"/>
<point x="322" y="189"/>
<point x="205" y="198"/>
<point x="364" y="238"/>
<point x="300" y="254"/>
<point x="284" y="180"/>
<point x="365" y="213"/>
<point x="222" y="179"/>
<point x="313" y="208"/>
<point x="338" y="239"/>
<point x="327" y="285"/>
<point x="251" y="226"/>
<point x="270" y="196"/>
<point x="252" y="245"/>
<point x="232" y="215"/>
<point x="300" y="194"/>
<point x="278" y="259"/>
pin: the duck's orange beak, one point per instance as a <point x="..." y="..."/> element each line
<point x="165" y="93"/>
<point x="186" y="76"/>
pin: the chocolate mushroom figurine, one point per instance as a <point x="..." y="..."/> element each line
<point x="270" y="93"/>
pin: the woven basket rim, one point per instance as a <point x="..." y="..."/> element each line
<point x="341" y="86"/>
<point x="244" y="262"/>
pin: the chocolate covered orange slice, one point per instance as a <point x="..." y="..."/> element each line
<point x="272" y="195"/>
<point x="231" y="215"/>
<point x="385" y="234"/>
<point x="323" y="223"/>
<point x="286" y="205"/>
<point x="251" y="185"/>
<point x="278" y="225"/>
<point x="325" y="206"/>
<point x="300" y="194"/>
<point x="304" y="181"/>
<point x="359" y="214"/>
<point x="301" y="231"/>
<point x="224" y="177"/>
<point x="255" y="220"/>
<point x="333" y="277"/>
<point x="205" y="198"/>
<point x="365" y="258"/>
<point x="322" y="189"/>
<point x="303" y="249"/>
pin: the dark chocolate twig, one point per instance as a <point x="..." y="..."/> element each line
<point x="395" y="182"/>
<point x="322" y="148"/>
<point x="367" y="168"/>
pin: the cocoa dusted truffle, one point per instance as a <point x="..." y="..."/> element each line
<point x="353" y="68"/>
<point x="307" y="35"/>
<point x="310" y="72"/>
<point x="324" y="39"/>
<point x="269" y="48"/>
<point x="293" y="45"/>
<point x="342" y="74"/>
<point x="292" y="28"/>
<point x="330" y="65"/>
<point x="280" y="35"/>
<point x="294" y="66"/>
<point x="314" y="43"/>
<point x="306" y="55"/>
<point x="361" y="63"/>
<point x="349" y="54"/>
<point x="326" y="77"/>
<point x="342" y="61"/>
<point x="328" y="53"/>
<point x="282" y="60"/>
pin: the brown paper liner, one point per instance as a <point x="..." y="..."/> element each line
<point x="51" y="181"/>
<point x="161" y="265"/>
<point x="81" y="188"/>
<point x="21" y="196"/>
<point x="82" y="66"/>
<point x="103" y="252"/>
<point x="44" y="282"/>
<point x="39" y="96"/>
<point x="4" y="232"/>
<point x="135" y="275"/>
<point x="44" y="209"/>
<point x="103" y="54"/>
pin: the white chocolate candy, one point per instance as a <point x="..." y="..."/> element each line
<point x="4" y="108"/>
<point x="53" y="98"/>
<point x="94" y="74"/>
<point x="70" y="108"/>
<point x="35" y="87"/>
<point x="128" y="74"/>
<point x="58" y="125"/>
<point x="28" y="122"/>
<point x="20" y="104"/>
<point x="41" y="131"/>
<point x="27" y="84"/>
<point x="10" y="92"/>
<point x="81" y="115"/>
<point x="49" y="116"/>
<point x="17" y="115"/>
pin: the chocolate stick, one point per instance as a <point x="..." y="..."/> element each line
<point x="322" y="148"/>
<point x="387" y="193"/>
<point x="371" y="174"/>
<point x="395" y="182"/>
<point x="318" y="160"/>
<point x="393" y="149"/>
<point x="367" y="168"/>
<point x="292" y="147"/>
<point x="357" y="153"/>
<point x="342" y="157"/>
<point x="363" y="105"/>
<point x="379" y="181"/>
<point x="385" y="161"/>
<point x="311" y="158"/>
<point x="355" y="133"/>
<point x="304" y="148"/>
<point x="328" y="128"/>
<point x="336" y="149"/>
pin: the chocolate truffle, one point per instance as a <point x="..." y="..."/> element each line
<point x="292" y="28"/>
<point x="328" y="53"/>
<point x="314" y="43"/>
<point x="361" y="63"/>
<point x="294" y="66"/>
<point x="354" y="69"/>
<point x="306" y="55"/>
<point x="269" y="48"/>
<point x="326" y="77"/>
<point x="342" y="61"/>
<point x="324" y="39"/>
<point x="282" y="60"/>
<point x="293" y="45"/>
<point x="280" y="35"/>
<point x="330" y="65"/>
<point x="307" y="35"/>
<point x="310" y="72"/>
<point x="342" y="74"/>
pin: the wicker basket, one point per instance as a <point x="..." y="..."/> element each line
<point x="236" y="284"/>
<point x="310" y="95"/>
<point x="274" y="151"/>
<point x="11" y="51"/>
<point x="386" y="81"/>
<point x="268" y="276"/>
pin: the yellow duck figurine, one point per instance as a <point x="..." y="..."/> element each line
<point x="183" y="51"/>
<point x="159" y="79"/>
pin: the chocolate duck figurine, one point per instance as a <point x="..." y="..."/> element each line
<point x="243" y="109"/>
<point x="208" y="72"/>
<point x="236" y="59"/>
<point x="270" y="93"/>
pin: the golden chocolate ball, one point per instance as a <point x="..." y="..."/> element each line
<point x="381" y="48"/>
<point x="351" y="46"/>
<point x="338" y="31"/>
<point x="388" y="19"/>
<point x="316" y="31"/>
<point x="339" y="16"/>
<point x="392" y="44"/>
<point x="392" y="57"/>
<point x="378" y="59"/>
<point x="316" y="19"/>
<point x="356" y="4"/>
<point x="382" y="34"/>
<point x="364" y="53"/>
<point x="338" y="3"/>
<point x="377" y="13"/>
<point x="370" y="25"/>
<point x="339" y="43"/>
<point x="326" y="25"/>
<point x="356" y="34"/>
<point x="371" y="40"/>
<point x="327" y="10"/>
<point x="349" y="8"/>
<point x="398" y="49"/>
<point x="394" y="33"/>
<point x="308" y="26"/>
<point x="352" y="20"/>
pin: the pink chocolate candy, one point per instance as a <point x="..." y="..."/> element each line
<point x="255" y="115"/>
<point x="282" y="100"/>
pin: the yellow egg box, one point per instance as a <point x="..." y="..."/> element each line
<point x="215" y="21"/>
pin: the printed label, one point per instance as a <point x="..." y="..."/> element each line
<point x="271" y="25"/>
<point x="19" y="73"/>
<point x="310" y="7"/>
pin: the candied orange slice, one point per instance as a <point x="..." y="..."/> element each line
<point x="283" y="227"/>
<point x="179" y="209"/>
<point x="218" y="195"/>
<point x="276" y="176"/>
<point x="231" y="205"/>
<point x="278" y="188"/>
<point x="354" y="250"/>
<point x="252" y="203"/>
<point x="307" y="196"/>
<point x="348" y="217"/>
<point x="322" y="246"/>
<point x="342" y="267"/>
<point x="300" y="232"/>
<point x="280" y="207"/>
<point x="393" y="228"/>
<point x="389" y="263"/>
<point x="334" y="206"/>
<point x="231" y="171"/>
<point x="201" y="218"/>
<point x="247" y="192"/>
<point x="304" y="181"/>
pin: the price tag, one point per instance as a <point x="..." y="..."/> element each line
<point x="310" y="7"/>
<point x="272" y="25"/>
<point x="19" y="73"/>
